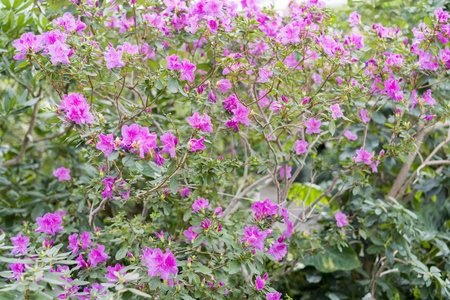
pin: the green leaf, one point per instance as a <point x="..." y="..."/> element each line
<point x="139" y="293"/>
<point x="113" y="155"/>
<point x="121" y="253"/>
<point x="233" y="267"/>
<point x="203" y="269"/>
<point x="128" y="160"/>
<point x="173" y="184"/>
<point x="333" y="260"/>
<point x="173" y="85"/>
<point x="332" y="128"/>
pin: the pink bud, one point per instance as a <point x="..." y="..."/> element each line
<point x="284" y="98"/>
<point x="186" y="88"/>
<point x="306" y="100"/>
<point x="200" y="89"/>
<point x="265" y="277"/>
<point x="211" y="97"/>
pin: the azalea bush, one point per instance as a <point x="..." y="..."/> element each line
<point x="217" y="149"/>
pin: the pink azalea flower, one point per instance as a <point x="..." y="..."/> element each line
<point x="73" y="243"/>
<point x="414" y="99"/>
<point x="206" y="224"/>
<point x="172" y="62"/>
<point x="278" y="250"/>
<point x="51" y="37"/>
<point x="349" y="135"/>
<point x="85" y="240"/>
<point x="197" y="145"/>
<point x="113" y="58"/>
<point x="264" y="74"/>
<point x="223" y="85"/>
<point x="67" y="22"/>
<point x="428" y="99"/>
<point x="203" y="123"/>
<point x="97" y="255"/>
<point x="354" y="19"/>
<point x="62" y="174"/>
<point x="18" y="269"/>
<point x="190" y="234"/>
<point x="336" y="111"/>
<point x="364" y="116"/>
<point x="106" y="144"/>
<point x="301" y="146"/>
<point x="429" y="117"/>
<point x="200" y="204"/>
<point x="21" y="244"/>
<point x="230" y="102"/>
<point x="273" y="296"/>
<point x="289" y="226"/>
<point x="28" y="41"/>
<point x="128" y="48"/>
<point x="276" y="107"/>
<point x="313" y="126"/>
<point x="49" y="223"/>
<point x="160" y="263"/>
<point x="288" y="170"/>
<point x="185" y="192"/>
<point x="363" y="156"/>
<point x="254" y="237"/>
<point x="111" y="273"/>
<point x="259" y="283"/>
<point x="79" y="114"/>
<point x="264" y="208"/>
<point x="218" y="211"/>
<point x="187" y="70"/>
<point x="393" y="89"/>
<point x="125" y="23"/>
<point x="169" y="142"/>
<point x="241" y="114"/>
<point x="341" y="219"/>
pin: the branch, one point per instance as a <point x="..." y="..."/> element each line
<point x="16" y="160"/>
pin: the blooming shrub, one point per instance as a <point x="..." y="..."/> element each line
<point x="171" y="114"/>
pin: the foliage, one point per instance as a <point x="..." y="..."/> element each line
<point x="172" y="115"/>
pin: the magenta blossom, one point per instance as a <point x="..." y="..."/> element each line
<point x="185" y="192"/>
<point x="28" y="41"/>
<point x="254" y="237"/>
<point x="273" y="296"/>
<point x="200" y="204"/>
<point x="116" y="269"/>
<point x="197" y="145"/>
<point x="73" y="243"/>
<point x="428" y="99"/>
<point x="300" y="146"/>
<point x="160" y="263"/>
<point x="223" y="85"/>
<point x="85" y="240"/>
<point x="341" y="219"/>
<point x="286" y="169"/>
<point x="49" y="223"/>
<point x="278" y="250"/>
<point x="106" y="144"/>
<point x="97" y="255"/>
<point x="264" y="208"/>
<point x="113" y="58"/>
<point x="364" y="116"/>
<point x="190" y="234"/>
<point x="241" y="114"/>
<point x="313" y="126"/>
<point x="187" y="70"/>
<point x="62" y="174"/>
<point x="18" y="270"/>
<point x="354" y="19"/>
<point x="59" y="52"/>
<point x="363" y="156"/>
<point x="169" y="142"/>
<point x="349" y="135"/>
<point x="202" y="123"/>
<point x="21" y="244"/>
<point x="218" y="211"/>
<point x="173" y="63"/>
<point x="428" y="117"/>
<point x="259" y="283"/>
<point x="336" y="111"/>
